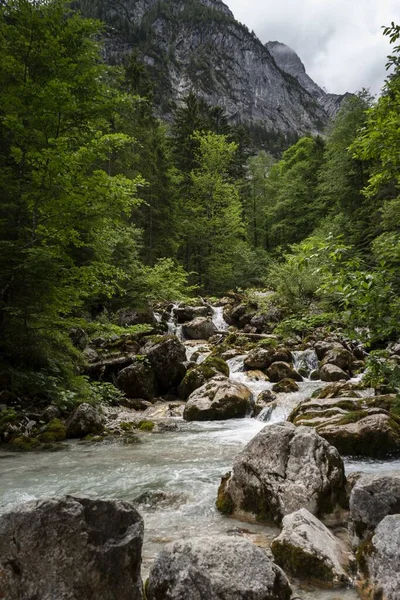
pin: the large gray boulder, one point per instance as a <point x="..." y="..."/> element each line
<point x="379" y="562"/>
<point x="329" y="372"/>
<point x="219" y="399"/>
<point x="373" y="497"/>
<point x="200" y="328"/>
<point x="282" y="469"/>
<point x="167" y="358"/>
<point x="307" y="549"/>
<point x="262" y="358"/>
<point x="71" y="549"/>
<point x="281" y="370"/>
<point x="215" y="569"/>
<point x="85" y="420"/>
<point x="138" y="380"/>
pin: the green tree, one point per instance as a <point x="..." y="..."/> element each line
<point x="256" y="198"/>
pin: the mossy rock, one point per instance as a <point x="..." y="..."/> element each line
<point x="217" y="363"/>
<point x="55" y="432"/>
<point x="200" y="374"/>
<point x="127" y="425"/>
<point x="224" y="502"/>
<point x="285" y="386"/>
<point x="131" y="439"/>
<point x="24" y="443"/>
<point x="300" y="563"/>
<point x="146" y="425"/>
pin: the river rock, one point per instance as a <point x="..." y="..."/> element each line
<point x="324" y="346"/>
<point x="282" y="469"/>
<point x="330" y="372"/>
<point x="285" y="386"/>
<point x="71" y="549"/>
<point x="379" y="562"/>
<point x="220" y="398"/>
<point x="307" y="549"/>
<point x="259" y="358"/>
<point x="138" y="380"/>
<point x="188" y="313"/>
<point x="200" y="374"/>
<point x="339" y="389"/>
<point x="215" y="569"/>
<point x="281" y="370"/>
<point x="340" y="357"/>
<point x="201" y="328"/>
<point x="84" y="420"/>
<point x="160" y="499"/>
<point x="373" y="497"/>
<point x="167" y="358"/>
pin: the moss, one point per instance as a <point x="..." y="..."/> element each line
<point x="217" y="363"/>
<point x="55" y="432"/>
<point x="6" y="417"/>
<point x="127" y="425"/>
<point x="224" y="502"/>
<point x="364" y="551"/>
<point x="146" y="425"/>
<point x="131" y="439"/>
<point x="353" y="417"/>
<point x="300" y="563"/>
<point x="24" y="443"/>
<point x="268" y="343"/>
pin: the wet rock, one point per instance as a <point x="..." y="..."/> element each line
<point x="259" y="358"/>
<point x="264" y="399"/>
<point x="330" y="372"/>
<point x="220" y="398"/>
<point x="341" y="358"/>
<point x="282" y="370"/>
<point x="138" y="380"/>
<point x="215" y="569"/>
<point x="281" y="470"/>
<point x="160" y="499"/>
<point x="323" y="347"/>
<point x="379" y="562"/>
<point x="307" y="549"/>
<point x="339" y="389"/>
<point x="373" y="497"/>
<point x="84" y="420"/>
<point x="285" y="386"/>
<point x="70" y="549"/>
<point x="201" y="328"/>
<point x="164" y="410"/>
<point x="167" y="358"/>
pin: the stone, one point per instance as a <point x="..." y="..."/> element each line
<point x="307" y="549"/>
<point x="71" y="549"/>
<point x="341" y="358"/>
<point x="200" y="374"/>
<point x="264" y="399"/>
<point x="167" y="357"/>
<point x="281" y="370"/>
<point x="51" y="412"/>
<point x="215" y="569"/>
<point x="219" y="399"/>
<point x="84" y="420"/>
<point x="330" y="372"/>
<point x="138" y="380"/>
<point x="282" y="469"/>
<point x="188" y="313"/>
<point x="373" y="497"/>
<point x="200" y="328"/>
<point x="339" y="389"/>
<point x="285" y="386"/>
<point x="379" y="562"/>
<point x="160" y="499"/>
<point x="323" y="347"/>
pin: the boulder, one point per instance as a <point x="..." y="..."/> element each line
<point x="282" y="370"/>
<point x="339" y="389"/>
<point x="160" y="499"/>
<point x="188" y="313"/>
<point x="71" y="549"/>
<point x="167" y="358"/>
<point x="285" y="386"/>
<point x="215" y="569"/>
<point x="84" y="420"/>
<point x="324" y="346"/>
<point x="379" y="562"/>
<point x="201" y="328"/>
<point x="200" y="374"/>
<point x="282" y="469"/>
<point x="340" y="357"/>
<point x="330" y="372"/>
<point x="138" y="380"/>
<point x="307" y="549"/>
<point x="264" y="399"/>
<point x="259" y="358"/>
<point x="220" y="398"/>
<point x="373" y="497"/>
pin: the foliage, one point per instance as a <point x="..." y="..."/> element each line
<point x="380" y="371"/>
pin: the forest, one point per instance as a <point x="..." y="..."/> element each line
<point x="105" y="207"/>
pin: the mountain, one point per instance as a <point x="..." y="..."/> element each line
<point x="198" y="45"/>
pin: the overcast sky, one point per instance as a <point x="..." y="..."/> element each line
<point x="339" y="41"/>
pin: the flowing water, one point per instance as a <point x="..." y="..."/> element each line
<point x="218" y="318"/>
<point x="188" y="462"/>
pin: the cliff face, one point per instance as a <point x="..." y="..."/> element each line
<point x="198" y="45"/>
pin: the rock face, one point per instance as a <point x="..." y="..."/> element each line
<point x="220" y="398"/>
<point x="281" y="470"/>
<point x="307" y="549"/>
<point x="355" y="426"/>
<point x="138" y="380"/>
<point x="200" y="46"/>
<point x="373" y="497"/>
<point x="380" y="562"/>
<point x="167" y="358"/>
<point x="70" y="549"/>
<point x="84" y="420"/>
<point x="215" y="569"/>
<point x="200" y="328"/>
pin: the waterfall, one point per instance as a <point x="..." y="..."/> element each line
<point x="218" y="318"/>
<point x="173" y="328"/>
<point x="306" y="361"/>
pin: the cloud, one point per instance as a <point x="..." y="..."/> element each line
<point x="339" y="41"/>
